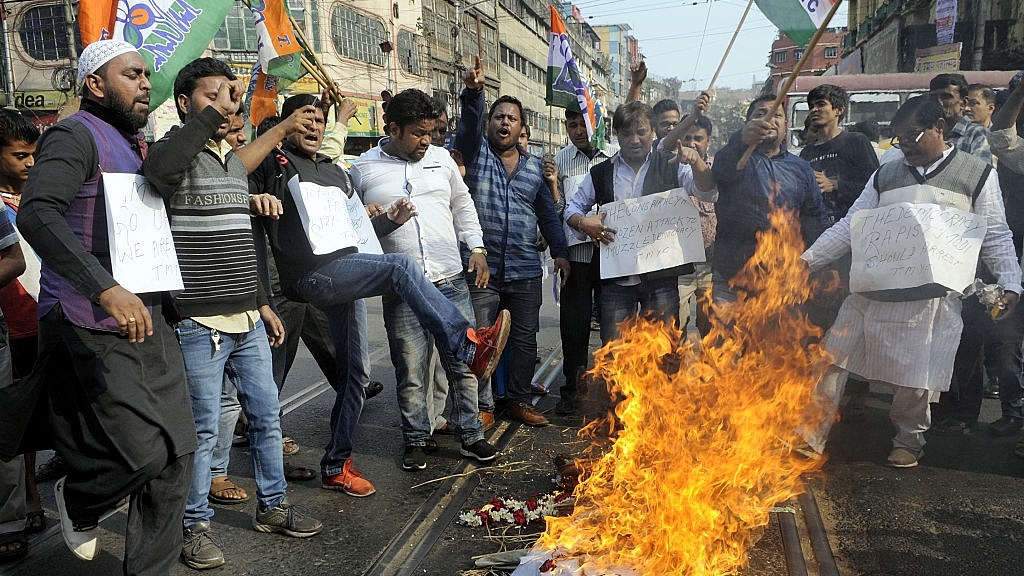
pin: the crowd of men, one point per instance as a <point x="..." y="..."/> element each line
<point x="139" y="393"/>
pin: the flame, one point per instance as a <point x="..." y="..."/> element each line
<point x="700" y="456"/>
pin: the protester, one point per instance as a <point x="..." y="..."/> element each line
<point x="637" y="170"/>
<point x="17" y="144"/>
<point x="772" y="178"/>
<point x="906" y="338"/>
<point x="980" y="104"/>
<point x="511" y="201"/>
<point x="224" y="318"/>
<point x="576" y="303"/>
<point x="695" y="288"/>
<point x="951" y="90"/>
<point x="870" y="129"/>
<point x="125" y="431"/>
<point x="405" y="166"/>
<point x="18" y="138"/>
<point x="664" y="118"/>
<point x="334" y="274"/>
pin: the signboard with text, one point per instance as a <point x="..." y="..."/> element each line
<point x="907" y="245"/>
<point x="653" y="232"/>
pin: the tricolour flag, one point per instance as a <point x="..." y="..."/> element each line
<point x="276" y="39"/>
<point x="566" y="87"/>
<point x="168" y="33"/>
<point x="798" y="19"/>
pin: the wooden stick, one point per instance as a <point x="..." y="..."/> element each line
<point x="324" y="75"/>
<point x="479" y="38"/>
<point x="792" y="78"/>
<point x="729" y="47"/>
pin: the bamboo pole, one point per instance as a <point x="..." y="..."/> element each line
<point x="792" y="78"/>
<point x="324" y="75"/>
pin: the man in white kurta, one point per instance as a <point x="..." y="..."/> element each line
<point x="910" y="344"/>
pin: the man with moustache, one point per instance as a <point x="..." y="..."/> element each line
<point x="772" y="178"/>
<point x="224" y="319"/>
<point x="120" y="413"/>
<point x="512" y="199"/>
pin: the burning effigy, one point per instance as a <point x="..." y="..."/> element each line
<point x="698" y="456"/>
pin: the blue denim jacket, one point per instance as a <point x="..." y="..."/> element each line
<point x="743" y="201"/>
<point x="510" y="207"/>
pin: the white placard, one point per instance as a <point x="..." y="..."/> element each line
<point x="654" y="232"/>
<point x="325" y="216"/>
<point x="368" y="242"/>
<point x="142" y="255"/>
<point x="907" y="245"/>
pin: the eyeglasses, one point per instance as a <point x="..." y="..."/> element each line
<point x="895" y="140"/>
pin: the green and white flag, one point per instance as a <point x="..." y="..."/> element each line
<point x="798" y="19"/>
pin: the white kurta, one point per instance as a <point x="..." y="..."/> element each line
<point x="911" y="344"/>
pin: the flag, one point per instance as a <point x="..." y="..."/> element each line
<point x="566" y="87"/>
<point x="798" y="19"/>
<point x="96" y="19"/>
<point x="277" y="39"/>
<point x="168" y="33"/>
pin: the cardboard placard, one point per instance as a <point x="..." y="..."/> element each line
<point x="908" y="245"/>
<point x="324" y="212"/>
<point x="142" y="254"/>
<point x="654" y="232"/>
<point x="368" y="241"/>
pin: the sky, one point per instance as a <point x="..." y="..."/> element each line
<point x="687" y="38"/>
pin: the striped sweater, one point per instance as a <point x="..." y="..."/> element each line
<point x="209" y="214"/>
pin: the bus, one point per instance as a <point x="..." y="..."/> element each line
<point x="875" y="96"/>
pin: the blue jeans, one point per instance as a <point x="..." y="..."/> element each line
<point x="246" y="358"/>
<point x="660" y="297"/>
<point x="335" y="285"/>
<point x="411" y="347"/>
<point x="522" y="298"/>
<point x="229" y="409"/>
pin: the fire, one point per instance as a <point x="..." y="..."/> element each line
<point x="700" y="456"/>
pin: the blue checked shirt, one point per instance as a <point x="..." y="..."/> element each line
<point x="510" y="206"/>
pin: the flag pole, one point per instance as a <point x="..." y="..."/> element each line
<point x="792" y="78"/>
<point x="316" y="59"/>
<point x="728" y="48"/>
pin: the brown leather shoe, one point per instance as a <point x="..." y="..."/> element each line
<point x="527" y="415"/>
<point x="487" y="421"/>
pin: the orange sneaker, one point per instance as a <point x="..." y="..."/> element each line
<point x="349" y="481"/>
<point x="490" y="342"/>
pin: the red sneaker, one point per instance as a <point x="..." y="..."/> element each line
<point x="349" y="481"/>
<point x="490" y="342"/>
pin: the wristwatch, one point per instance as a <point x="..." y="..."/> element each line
<point x="479" y="250"/>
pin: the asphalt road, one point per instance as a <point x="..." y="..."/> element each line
<point x="960" y="513"/>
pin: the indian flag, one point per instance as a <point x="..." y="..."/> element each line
<point x="168" y="33"/>
<point x="277" y="39"/>
<point x="566" y="87"/>
<point x="798" y="19"/>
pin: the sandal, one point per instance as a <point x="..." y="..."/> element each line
<point x="289" y="446"/>
<point x="224" y="491"/>
<point x="298" y="473"/>
<point x="13" y="545"/>
<point x="35" y="521"/>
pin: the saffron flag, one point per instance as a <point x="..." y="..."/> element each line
<point x="566" y="87"/>
<point x="168" y="33"/>
<point x="798" y="19"/>
<point x="279" y="45"/>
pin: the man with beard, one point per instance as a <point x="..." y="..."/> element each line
<point x="772" y="178"/>
<point x="120" y="413"/>
<point x="512" y="199"/>
<point x="224" y="319"/>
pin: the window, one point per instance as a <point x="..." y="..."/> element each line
<point x="408" y="52"/>
<point x="357" y="36"/>
<point x="779" y="56"/>
<point x="297" y="9"/>
<point x="831" y="51"/>
<point x="798" y="54"/>
<point x="238" y="32"/>
<point x="44" y="33"/>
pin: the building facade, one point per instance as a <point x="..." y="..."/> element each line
<point x="786" y="54"/>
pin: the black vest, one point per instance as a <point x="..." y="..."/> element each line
<point x="661" y="175"/>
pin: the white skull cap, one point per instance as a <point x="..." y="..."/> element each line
<point x="99" y="53"/>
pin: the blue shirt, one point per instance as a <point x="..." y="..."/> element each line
<point x="510" y="206"/>
<point x="743" y="201"/>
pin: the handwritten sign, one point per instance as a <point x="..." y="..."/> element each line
<point x="324" y="213"/>
<point x="142" y="255"/>
<point x="569" y="187"/>
<point x="905" y="245"/>
<point x="654" y="232"/>
<point x="368" y="242"/>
